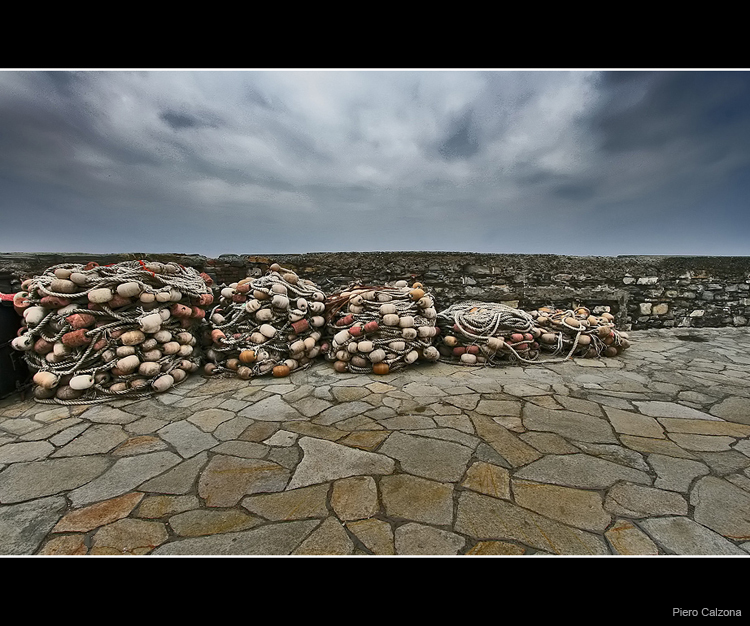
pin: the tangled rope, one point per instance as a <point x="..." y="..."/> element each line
<point x="481" y="333"/>
<point x="95" y="332"/>
<point x="382" y="328"/>
<point x="269" y="324"/>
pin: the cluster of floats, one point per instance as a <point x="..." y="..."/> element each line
<point x="91" y="333"/>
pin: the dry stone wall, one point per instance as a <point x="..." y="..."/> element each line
<point x="640" y="291"/>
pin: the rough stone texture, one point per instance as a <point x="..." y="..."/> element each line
<point x="99" y="514"/>
<point x="28" y="481"/>
<point x="324" y="461"/>
<point x="495" y="548"/>
<point x="681" y="535"/>
<point x="329" y="538"/>
<point x="413" y="538"/>
<point x="355" y="498"/>
<point x="578" y="426"/>
<point x="491" y="480"/>
<point x="129" y="536"/>
<point x="734" y="409"/>
<point x="302" y="503"/>
<point x="375" y="534"/>
<point x="721" y="506"/>
<point x="575" y="507"/>
<point x="505" y="443"/>
<point x="197" y="523"/>
<point x="626" y="538"/>
<point x="226" y="479"/>
<point x="675" y="474"/>
<point x="179" y="479"/>
<point x="65" y="545"/>
<point x="486" y="518"/>
<point x="429" y="458"/>
<point x="23" y="527"/>
<point x="417" y="499"/>
<point x="639" y="501"/>
<point x="580" y="470"/>
<point x="126" y="474"/>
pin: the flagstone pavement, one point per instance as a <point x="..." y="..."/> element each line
<point x="647" y="453"/>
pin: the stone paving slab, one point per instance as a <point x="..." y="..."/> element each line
<point x="644" y="454"/>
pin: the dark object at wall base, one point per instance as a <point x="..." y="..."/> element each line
<point x="14" y="375"/>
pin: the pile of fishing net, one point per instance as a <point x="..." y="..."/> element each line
<point x="486" y="333"/>
<point x="577" y="332"/>
<point x="381" y="329"/>
<point x="273" y="323"/>
<point x="92" y="333"/>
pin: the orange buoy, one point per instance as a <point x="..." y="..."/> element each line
<point x="380" y="368"/>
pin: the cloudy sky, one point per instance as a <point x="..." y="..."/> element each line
<point x="253" y="162"/>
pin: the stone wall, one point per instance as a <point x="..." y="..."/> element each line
<point x="641" y="291"/>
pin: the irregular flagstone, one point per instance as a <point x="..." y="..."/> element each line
<point x="664" y="447"/>
<point x="23" y="527"/>
<point x="456" y="422"/>
<point x="376" y="535"/>
<point x="628" y="423"/>
<point x="421" y="389"/>
<point x="365" y="439"/>
<point x="244" y="449"/>
<point x="705" y="427"/>
<point x="743" y="447"/>
<point x="349" y="394"/>
<point x="727" y="462"/>
<point x="616" y="454"/>
<point x="25" y="451"/>
<point x="99" y="514"/>
<point x="209" y="420"/>
<point x="417" y="499"/>
<point x="575" y="507"/>
<point x="286" y="457"/>
<point x="310" y="407"/>
<point x="496" y="548"/>
<point x="444" y="461"/>
<point x="733" y="409"/>
<point x="579" y="405"/>
<point x="547" y="402"/>
<point x="200" y="522"/>
<point x="259" y="431"/>
<point x="154" y="409"/>
<point x="418" y="539"/>
<point x="28" y="481"/>
<point x="294" y="504"/>
<point x="548" y="443"/>
<point x="447" y="434"/>
<point x="187" y="438"/>
<point x="231" y="429"/>
<point x="578" y="426"/>
<point x="505" y="443"/>
<point x="722" y="506"/>
<point x="495" y="408"/>
<point x="99" y="439"/>
<point x="155" y="507"/>
<point x="67" y="435"/>
<point x="226" y="479"/>
<point x="626" y="538"/>
<point x="580" y="470"/>
<point x="671" y="409"/>
<point x="67" y="545"/>
<point x="139" y="445"/>
<point x="359" y="422"/>
<point x="355" y="497"/>
<point x="271" y="409"/>
<point x="378" y="387"/>
<point x="466" y="401"/>
<point x="488" y="518"/>
<point x="180" y="479"/>
<point x="282" y="438"/>
<point x="491" y="480"/>
<point x="324" y="461"/>
<point x="639" y="501"/>
<point x="317" y="431"/>
<point x="341" y="412"/>
<point x="329" y="538"/>
<point x="408" y="422"/>
<point x="51" y="429"/>
<point x="125" y="475"/>
<point x="705" y="443"/>
<point x="681" y="535"/>
<point x="104" y="414"/>
<point x="129" y="536"/>
<point x="145" y="426"/>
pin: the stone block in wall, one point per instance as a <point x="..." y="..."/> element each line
<point x="660" y="309"/>
<point x="645" y="308"/>
<point x="648" y="280"/>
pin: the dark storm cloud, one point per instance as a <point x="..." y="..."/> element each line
<point x="216" y="162"/>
